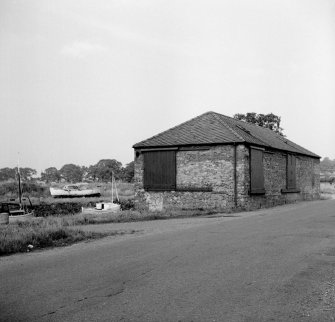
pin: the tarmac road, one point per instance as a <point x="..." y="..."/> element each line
<point x="269" y="265"/>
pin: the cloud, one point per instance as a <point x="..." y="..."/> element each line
<point x="82" y="49"/>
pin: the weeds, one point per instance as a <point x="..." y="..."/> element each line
<point x="38" y="234"/>
<point x="42" y="233"/>
<point x="127" y="216"/>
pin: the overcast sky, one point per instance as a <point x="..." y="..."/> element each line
<point x="85" y="80"/>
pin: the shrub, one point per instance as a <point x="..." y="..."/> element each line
<point x="61" y="207"/>
<point x="126" y="204"/>
<point x="65" y="208"/>
<point x="32" y="189"/>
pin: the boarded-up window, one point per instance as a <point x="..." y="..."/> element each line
<point x="160" y="170"/>
<point x="256" y="171"/>
<point x="291" y="171"/>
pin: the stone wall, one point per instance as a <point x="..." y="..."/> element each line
<point x="307" y="181"/>
<point x="206" y="169"/>
<point x="308" y="177"/>
<point x="196" y="170"/>
<point x="214" y="169"/>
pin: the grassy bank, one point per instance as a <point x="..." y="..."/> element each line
<point x="56" y="231"/>
<point x="126" y="216"/>
<point x="42" y="233"/>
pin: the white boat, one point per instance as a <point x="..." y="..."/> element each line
<point x="71" y="191"/>
<point x="102" y="207"/>
<point x="105" y="207"/>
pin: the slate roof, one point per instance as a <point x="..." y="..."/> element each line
<point x="214" y="128"/>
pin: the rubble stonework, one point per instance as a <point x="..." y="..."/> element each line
<point x="214" y="169"/>
<point x="198" y="170"/>
<point x="307" y="181"/>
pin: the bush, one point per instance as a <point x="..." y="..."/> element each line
<point x="32" y="189"/>
<point x="71" y="208"/>
<point x="65" y="208"/>
<point x="126" y="204"/>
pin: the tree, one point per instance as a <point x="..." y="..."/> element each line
<point x="92" y="173"/>
<point x="7" y="174"/>
<point x="71" y="173"/>
<point x="50" y="175"/>
<point x="327" y="167"/>
<point x="106" y="168"/>
<point x="128" y="172"/>
<point x="85" y="172"/>
<point x="27" y="173"/>
<point x="270" y="121"/>
<point x="327" y="164"/>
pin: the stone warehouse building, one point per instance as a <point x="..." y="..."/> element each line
<point x="219" y="163"/>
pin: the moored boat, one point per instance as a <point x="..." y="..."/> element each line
<point x="17" y="212"/>
<point x="102" y="207"/>
<point x="71" y="191"/>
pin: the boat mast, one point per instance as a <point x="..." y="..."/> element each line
<point x="117" y="195"/>
<point x="19" y="178"/>
<point x="112" y="186"/>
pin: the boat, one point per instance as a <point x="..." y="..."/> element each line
<point x="105" y="206"/>
<point x="72" y="191"/>
<point x="17" y="210"/>
<point x="102" y="207"/>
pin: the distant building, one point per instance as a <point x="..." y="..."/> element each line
<point x="216" y="162"/>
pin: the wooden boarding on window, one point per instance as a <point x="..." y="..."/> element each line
<point x="291" y="171"/>
<point x="160" y="170"/>
<point x="256" y="171"/>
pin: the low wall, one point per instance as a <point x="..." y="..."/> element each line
<point x="182" y="200"/>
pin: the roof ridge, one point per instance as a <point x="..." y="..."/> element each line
<point x="253" y="125"/>
<point x="252" y="134"/>
<point x="216" y="115"/>
<point x="242" y="122"/>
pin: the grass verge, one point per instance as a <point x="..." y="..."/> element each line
<point x="42" y="233"/>
<point x="127" y="216"/>
<point x="54" y="231"/>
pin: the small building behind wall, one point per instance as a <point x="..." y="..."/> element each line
<point x="215" y="162"/>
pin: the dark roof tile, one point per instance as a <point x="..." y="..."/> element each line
<point x="215" y="128"/>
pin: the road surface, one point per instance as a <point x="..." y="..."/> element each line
<point x="269" y="265"/>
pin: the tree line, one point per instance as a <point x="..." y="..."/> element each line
<point x="327" y="165"/>
<point x="103" y="171"/>
<point x="327" y="168"/>
<point x="106" y="168"/>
